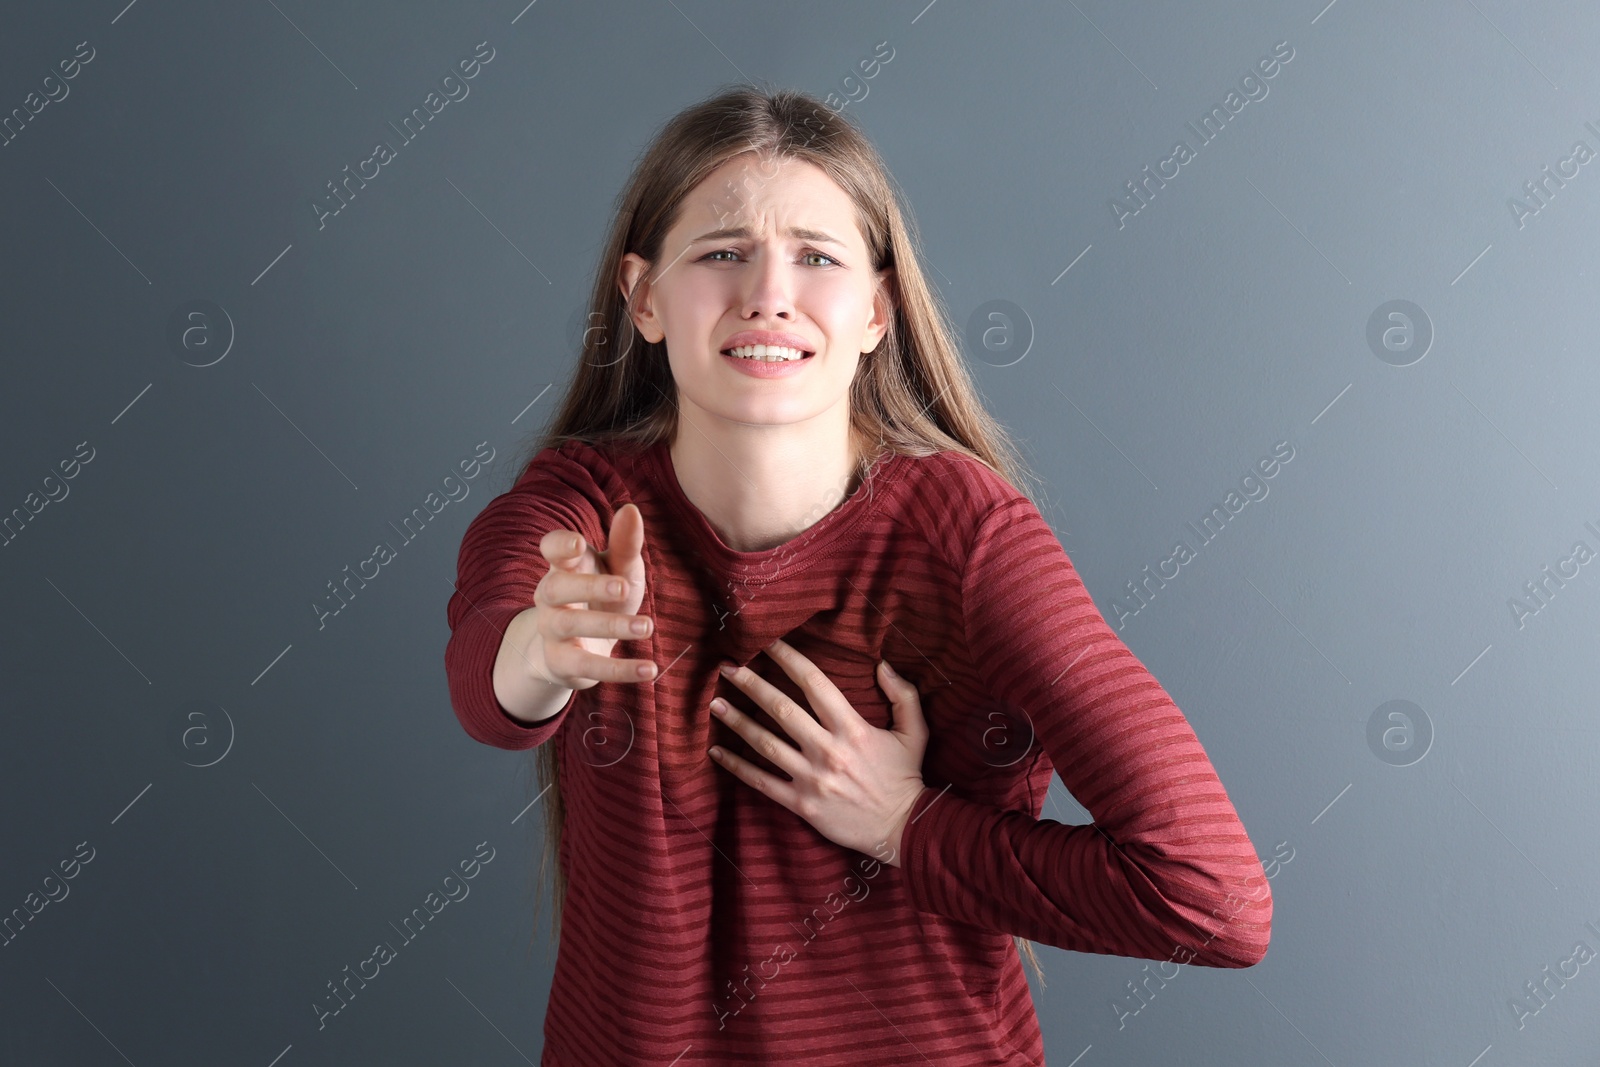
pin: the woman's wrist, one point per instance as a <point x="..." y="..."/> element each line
<point x="523" y="693"/>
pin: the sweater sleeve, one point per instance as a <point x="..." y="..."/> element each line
<point x="497" y="570"/>
<point x="1166" y="870"/>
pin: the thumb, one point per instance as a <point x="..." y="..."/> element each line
<point x="625" y="544"/>
<point x="906" y="703"/>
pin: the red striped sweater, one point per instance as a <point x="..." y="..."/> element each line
<point x="708" y="924"/>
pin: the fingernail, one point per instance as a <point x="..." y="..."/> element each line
<point x="615" y="588"/>
<point x="889" y="670"/>
<point x="639" y="626"/>
<point x="728" y="670"/>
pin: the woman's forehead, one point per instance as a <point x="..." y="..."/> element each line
<point x="808" y="209"/>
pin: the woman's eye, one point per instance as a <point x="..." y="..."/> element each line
<point x="734" y="252"/>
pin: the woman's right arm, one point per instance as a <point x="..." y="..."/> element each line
<point x="498" y="571"/>
<point x="529" y="629"/>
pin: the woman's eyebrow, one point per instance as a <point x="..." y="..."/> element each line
<point x="799" y="233"/>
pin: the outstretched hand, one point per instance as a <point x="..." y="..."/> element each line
<point x="587" y="602"/>
<point x="852" y="781"/>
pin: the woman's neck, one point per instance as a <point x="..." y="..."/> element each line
<point x="761" y="486"/>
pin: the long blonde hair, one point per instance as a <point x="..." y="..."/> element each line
<point x="911" y="394"/>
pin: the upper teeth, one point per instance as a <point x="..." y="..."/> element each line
<point x="765" y="353"/>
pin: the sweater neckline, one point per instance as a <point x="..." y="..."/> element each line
<point x="814" y="542"/>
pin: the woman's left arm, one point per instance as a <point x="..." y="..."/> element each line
<point x="1166" y="870"/>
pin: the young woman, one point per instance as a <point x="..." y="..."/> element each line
<point x="772" y="457"/>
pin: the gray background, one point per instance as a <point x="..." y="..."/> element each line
<point x="162" y="613"/>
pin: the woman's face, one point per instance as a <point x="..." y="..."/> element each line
<point x="762" y="246"/>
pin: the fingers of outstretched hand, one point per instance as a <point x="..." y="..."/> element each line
<point x="580" y="622"/>
<point x="562" y="547"/>
<point x="561" y="587"/>
<point x="610" y="586"/>
<point x="571" y="661"/>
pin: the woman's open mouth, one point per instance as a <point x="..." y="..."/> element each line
<point x="766" y="353"/>
<point x="767" y="361"/>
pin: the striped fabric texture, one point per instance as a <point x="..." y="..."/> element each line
<point x="706" y="923"/>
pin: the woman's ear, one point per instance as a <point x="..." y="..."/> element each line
<point x="883" y="307"/>
<point x="633" y="271"/>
